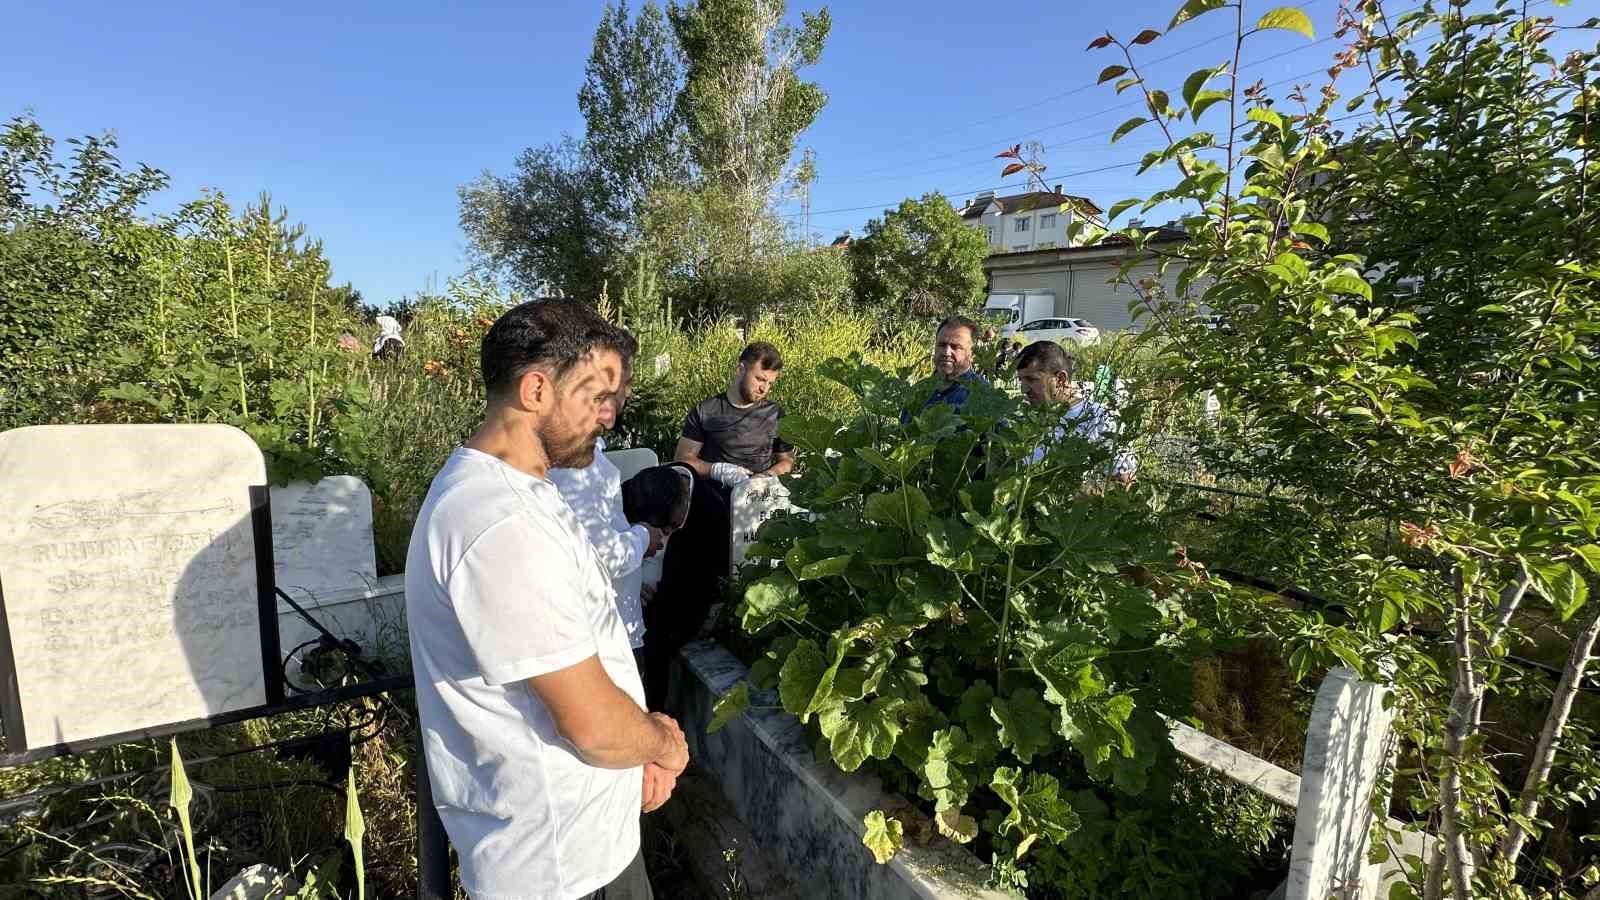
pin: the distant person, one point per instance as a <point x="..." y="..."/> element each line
<point x="533" y="723"/>
<point x="954" y="372"/>
<point x="595" y="494"/>
<point x="389" y="343"/>
<point x="1045" y="371"/>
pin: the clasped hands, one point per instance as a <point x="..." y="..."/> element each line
<point x="661" y="775"/>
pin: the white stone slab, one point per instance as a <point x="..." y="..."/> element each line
<point x="1276" y="782"/>
<point x="128" y="566"/>
<point x="1347" y="743"/>
<point x="630" y="462"/>
<point x="322" y="537"/>
<point x="751" y="504"/>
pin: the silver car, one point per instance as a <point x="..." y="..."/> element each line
<point x="1062" y="330"/>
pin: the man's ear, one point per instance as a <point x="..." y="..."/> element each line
<point x="534" y="389"/>
<point x="1063" y="381"/>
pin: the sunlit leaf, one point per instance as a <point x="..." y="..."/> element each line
<point x="1192" y="9"/>
<point x="1288" y="18"/>
<point x="729" y="707"/>
<point x="884" y="836"/>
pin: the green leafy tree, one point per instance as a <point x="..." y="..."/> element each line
<point x="920" y="259"/>
<point x="553" y="226"/>
<point x="72" y="250"/>
<point x="743" y="99"/>
<point x="634" y="129"/>
<point x="1413" y="310"/>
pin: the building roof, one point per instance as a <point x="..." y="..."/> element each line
<point x="1030" y="200"/>
<point x="1161" y="234"/>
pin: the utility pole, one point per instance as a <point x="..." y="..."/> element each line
<point x="808" y="174"/>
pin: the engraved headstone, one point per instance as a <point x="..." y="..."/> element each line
<point x="322" y="537"/>
<point x="1348" y="740"/>
<point x="128" y="578"/>
<point x="751" y="504"/>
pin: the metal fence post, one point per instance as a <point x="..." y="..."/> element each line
<point x="433" y="849"/>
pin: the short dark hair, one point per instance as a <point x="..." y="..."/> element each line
<point x="1048" y="356"/>
<point x="958" y="321"/>
<point x="764" y="355"/>
<point x="657" y="496"/>
<point x="553" y="333"/>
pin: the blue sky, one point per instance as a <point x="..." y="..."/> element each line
<point x="363" y="118"/>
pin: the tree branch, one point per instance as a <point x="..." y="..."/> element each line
<point x="1555" y="724"/>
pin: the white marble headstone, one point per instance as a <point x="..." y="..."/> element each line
<point x="751" y="504"/>
<point x="322" y="537"/>
<point x="128" y="568"/>
<point x="1348" y="741"/>
<point x="632" y="461"/>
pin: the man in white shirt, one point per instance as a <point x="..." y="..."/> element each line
<point x="595" y="494"/>
<point x="1044" y="369"/>
<point x="537" y="742"/>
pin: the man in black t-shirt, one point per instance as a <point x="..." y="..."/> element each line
<point x="727" y="439"/>
<point x="734" y="435"/>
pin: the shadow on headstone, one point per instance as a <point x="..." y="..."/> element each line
<point x="128" y="566"/>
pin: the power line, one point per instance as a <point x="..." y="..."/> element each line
<point x="989" y="145"/>
<point x="1064" y="177"/>
<point x="1088" y="87"/>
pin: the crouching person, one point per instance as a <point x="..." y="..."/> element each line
<point x="534" y="730"/>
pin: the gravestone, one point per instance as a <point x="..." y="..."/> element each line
<point x="129" y="584"/>
<point x="751" y="504"/>
<point x="322" y="537"/>
<point x="1347" y="743"/>
<point x="632" y="461"/>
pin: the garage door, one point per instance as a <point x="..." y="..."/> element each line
<point x="1106" y="305"/>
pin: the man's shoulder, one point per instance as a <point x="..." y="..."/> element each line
<point x="712" y="405"/>
<point x="475" y="496"/>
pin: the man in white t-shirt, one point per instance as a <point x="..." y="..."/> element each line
<point x="595" y="494"/>
<point x="537" y="742"/>
<point x="1044" y="369"/>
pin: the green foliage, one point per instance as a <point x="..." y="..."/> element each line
<point x="920" y="259"/>
<point x="634" y="130"/>
<point x="551" y="226"/>
<point x="1197" y="835"/>
<point x="703" y="359"/>
<point x="972" y="627"/>
<point x="742" y="98"/>
<point x="1412" y="310"/>
<point x="182" y="796"/>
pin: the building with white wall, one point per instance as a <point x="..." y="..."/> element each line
<point x="1036" y="220"/>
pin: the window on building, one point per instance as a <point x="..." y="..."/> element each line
<point x="1022" y="224"/>
<point x="1018" y="248"/>
<point x="1047" y="221"/>
<point x="991" y="234"/>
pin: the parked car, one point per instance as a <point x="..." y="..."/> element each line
<point x="1077" y="331"/>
